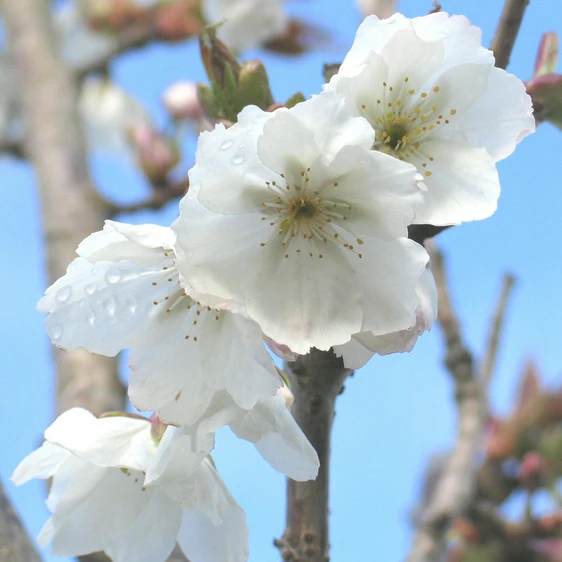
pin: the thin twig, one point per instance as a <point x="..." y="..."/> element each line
<point x="507" y="30"/>
<point x="15" y="544"/>
<point x="135" y="36"/>
<point x="160" y="196"/>
<point x="496" y="330"/>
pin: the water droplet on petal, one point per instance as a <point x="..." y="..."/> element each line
<point x="91" y="317"/>
<point x="56" y="332"/>
<point x="131" y="304"/>
<point x="237" y="159"/>
<point x="64" y="294"/>
<point x="110" y="304"/>
<point x="113" y="276"/>
<point x="90" y="288"/>
<point x="226" y="144"/>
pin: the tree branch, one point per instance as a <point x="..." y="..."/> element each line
<point x="454" y="488"/>
<point x="455" y="484"/>
<point x="507" y="30"/>
<point x="135" y="36"/>
<point x="71" y="207"/>
<point x="316" y="380"/>
<point x="496" y="330"/>
<point x="15" y="544"/>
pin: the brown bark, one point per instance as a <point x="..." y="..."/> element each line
<point x="316" y="380"/>
<point x="15" y="544"/>
<point x="507" y="30"/>
<point x="71" y="208"/>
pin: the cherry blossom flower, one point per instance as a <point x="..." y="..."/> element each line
<point x="247" y="23"/>
<point x="269" y="425"/>
<point x="359" y="350"/>
<point x="432" y="94"/>
<point x="294" y="222"/>
<point x="99" y="499"/>
<point x="125" y="292"/>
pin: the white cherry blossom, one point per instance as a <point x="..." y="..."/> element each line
<point x="293" y="221"/>
<point x="269" y="425"/>
<point x="246" y="24"/>
<point x="99" y="499"/>
<point x="359" y="350"/>
<point x="432" y="94"/>
<point x="125" y="292"/>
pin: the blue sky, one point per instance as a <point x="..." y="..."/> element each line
<point x="396" y="412"/>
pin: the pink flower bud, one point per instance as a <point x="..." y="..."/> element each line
<point x="182" y="102"/>
<point x="157" y="155"/>
<point x="531" y="470"/>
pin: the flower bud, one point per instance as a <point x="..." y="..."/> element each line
<point x="113" y="15"/>
<point x="547" y="55"/>
<point x="157" y="428"/>
<point x="532" y="471"/>
<point x="157" y="155"/>
<point x="177" y="20"/>
<point x="289" y="397"/>
<point x="182" y="102"/>
<point x="380" y="8"/>
<point x="254" y="86"/>
<point x="220" y="64"/>
<point x="546" y="93"/>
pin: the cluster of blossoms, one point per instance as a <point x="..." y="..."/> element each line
<point x="294" y="232"/>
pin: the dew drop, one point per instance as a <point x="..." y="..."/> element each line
<point x="110" y="304"/>
<point x="64" y="294"/>
<point x="56" y="332"/>
<point x="131" y="304"/>
<point x="113" y="276"/>
<point x="91" y="317"/>
<point x="90" y="288"/>
<point x="226" y="144"/>
<point x="237" y="159"/>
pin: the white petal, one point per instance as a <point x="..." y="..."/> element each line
<point x="108" y="306"/>
<point x="276" y="435"/>
<point x="295" y="301"/>
<point x="104" y="442"/>
<point x="500" y="119"/>
<point x="389" y="279"/>
<point x="42" y="463"/>
<point x="91" y="519"/>
<point x="176" y="459"/>
<point x="321" y="125"/>
<point x="463" y="185"/>
<point x="152" y="535"/>
<point x="201" y="541"/>
<point x="359" y="350"/>
<point x="463" y="41"/>
<point x="120" y="241"/>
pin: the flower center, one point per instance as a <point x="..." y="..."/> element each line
<point x="403" y="119"/>
<point x="301" y="214"/>
<point x="176" y="299"/>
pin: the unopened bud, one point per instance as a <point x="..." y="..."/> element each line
<point x="547" y="55"/>
<point x="182" y="102"/>
<point x="177" y="20"/>
<point x="380" y="8"/>
<point x="289" y="397"/>
<point x="157" y="155"/>
<point x="220" y="64"/>
<point x="254" y="86"/>
<point x="157" y="428"/>
<point x="532" y="471"/>
<point x="546" y="93"/>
